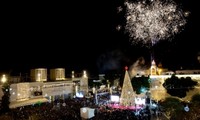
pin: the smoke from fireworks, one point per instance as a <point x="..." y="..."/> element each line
<point x="151" y="21"/>
<point x="138" y="68"/>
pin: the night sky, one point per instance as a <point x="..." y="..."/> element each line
<point x="82" y="35"/>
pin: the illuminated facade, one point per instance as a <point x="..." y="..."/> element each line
<point x="84" y="83"/>
<point x="57" y="74"/>
<point x="39" y="74"/>
<point x="54" y="90"/>
<point x="29" y="90"/>
<point x="182" y="72"/>
<point x="23" y="91"/>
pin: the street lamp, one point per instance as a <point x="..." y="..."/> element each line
<point x="3" y="79"/>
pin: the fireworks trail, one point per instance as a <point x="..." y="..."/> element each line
<point x="151" y="21"/>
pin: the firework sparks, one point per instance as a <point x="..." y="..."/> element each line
<point x="151" y="21"/>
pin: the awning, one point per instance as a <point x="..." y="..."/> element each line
<point x="31" y="101"/>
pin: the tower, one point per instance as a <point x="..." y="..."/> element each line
<point x="127" y="94"/>
<point x="153" y="69"/>
<point x="57" y="74"/>
<point x="84" y="83"/>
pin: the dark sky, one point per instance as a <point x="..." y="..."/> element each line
<point x="82" y="35"/>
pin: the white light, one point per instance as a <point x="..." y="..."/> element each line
<point x="3" y="79"/>
<point x="79" y="94"/>
<point x="140" y="101"/>
<point x="186" y="108"/>
<point x="84" y="74"/>
<point x="84" y="110"/>
<point x="114" y="98"/>
<point x="64" y="104"/>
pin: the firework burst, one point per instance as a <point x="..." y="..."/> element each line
<point x="151" y="21"/>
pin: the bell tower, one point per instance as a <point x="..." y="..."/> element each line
<point x="153" y="69"/>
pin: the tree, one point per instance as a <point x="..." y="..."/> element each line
<point x="196" y="98"/>
<point x="178" y="87"/>
<point x="194" y="111"/>
<point x="173" y="108"/>
<point x="127" y="91"/>
<point x="140" y="84"/>
<point x="5" y="98"/>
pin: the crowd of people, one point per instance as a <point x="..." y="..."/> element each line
<point x="69" y="109"/>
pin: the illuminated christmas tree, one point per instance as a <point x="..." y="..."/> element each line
<point x="127" y="94"/>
